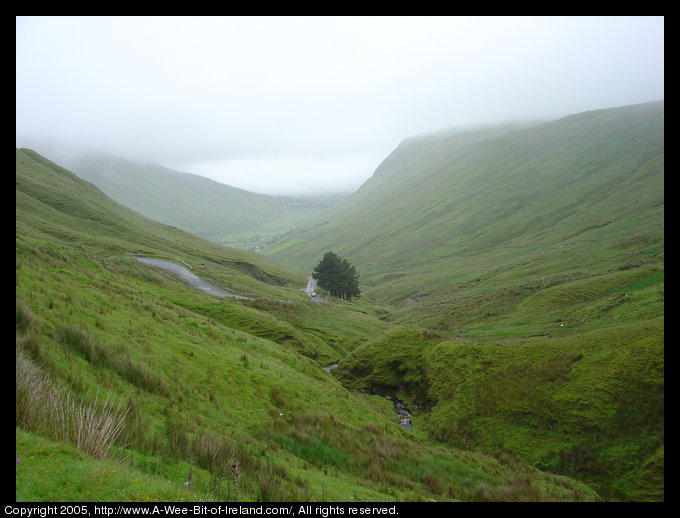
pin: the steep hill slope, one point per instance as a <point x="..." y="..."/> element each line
<point x="202" y="398"/>
<point x="456" y="231"/>
<point x="53" y="202"/>
<point x="536" y="260"/>
<point x="219" y="212"/>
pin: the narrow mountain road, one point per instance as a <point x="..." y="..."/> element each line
<point x="195" y="281"/>
<point x="311" y="290"/>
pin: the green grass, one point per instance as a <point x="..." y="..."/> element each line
<point x="513" y="298"/>
<point x="537" y="256"/>
<point x="233" y="392"/>
<point x="456" y="230"/>
<point x="295" y="423"/>
<point x="50" y="471"/>
<point x="586" y="404"/>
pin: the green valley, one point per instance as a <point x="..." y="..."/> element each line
<point x="535" y="258"/>
<point x="224" y="214"/>
<point x="512" y="298"/>
<point x="133" y="386"/>
<point x="480" y="220"/>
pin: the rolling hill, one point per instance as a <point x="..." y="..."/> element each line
<point x="132" y="386"/>
<point x="219" y="212"/>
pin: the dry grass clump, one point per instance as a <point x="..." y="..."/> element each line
<point x="44" y="407"/>
<point x="236" y="468"/>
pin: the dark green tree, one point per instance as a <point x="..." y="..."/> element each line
<point x="337" y="276"/>
<point x="349" y="285"/>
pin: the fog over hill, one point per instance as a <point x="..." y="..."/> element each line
<point x="549" y="200"/>
<point x="219" y="212"/>
<point x="301" y="105"/>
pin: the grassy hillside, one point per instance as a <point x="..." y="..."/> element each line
<point x="55" y="204"/>
<point x="535" y="257"/>
<point x="590" y="405"/>
<point x="457" y="231"/>
<point x="131" y="383"/>
<point x="221" y="213"/>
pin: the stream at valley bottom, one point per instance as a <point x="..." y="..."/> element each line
<point x="399" y="407"/>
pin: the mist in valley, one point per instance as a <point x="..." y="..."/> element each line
<point x="310" y="105"/>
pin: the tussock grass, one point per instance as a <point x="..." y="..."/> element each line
<point x="112" y="357"/>
<point x="391" y="463"/>
<point x="25" y="320"/>
<point x="236" y="468"/>
<point x="91" y="428"/>
<point x="45" y="408"/>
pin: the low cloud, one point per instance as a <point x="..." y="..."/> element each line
<point x="267" y="103"/>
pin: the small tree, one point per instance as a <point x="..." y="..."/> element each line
<point x="337" y="276"/>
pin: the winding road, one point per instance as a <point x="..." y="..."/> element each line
<point x="198" y="283"/>
<point x="193" y="279"/>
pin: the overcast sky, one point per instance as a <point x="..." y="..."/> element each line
<point x="285" y="105"/>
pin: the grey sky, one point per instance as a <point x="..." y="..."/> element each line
<point x="285" y="105"/>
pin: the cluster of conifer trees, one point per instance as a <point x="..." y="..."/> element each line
<point x="337" y="276"/>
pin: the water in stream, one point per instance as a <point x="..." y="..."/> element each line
<point x="402" y="412"/>
<point x="399" y="407"/>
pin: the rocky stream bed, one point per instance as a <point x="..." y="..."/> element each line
<point x="399" y="407"/>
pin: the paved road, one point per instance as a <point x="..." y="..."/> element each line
<point x="195" y="281"/>
<point x="311" y="290"/>
<point x="189" y="277"/>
